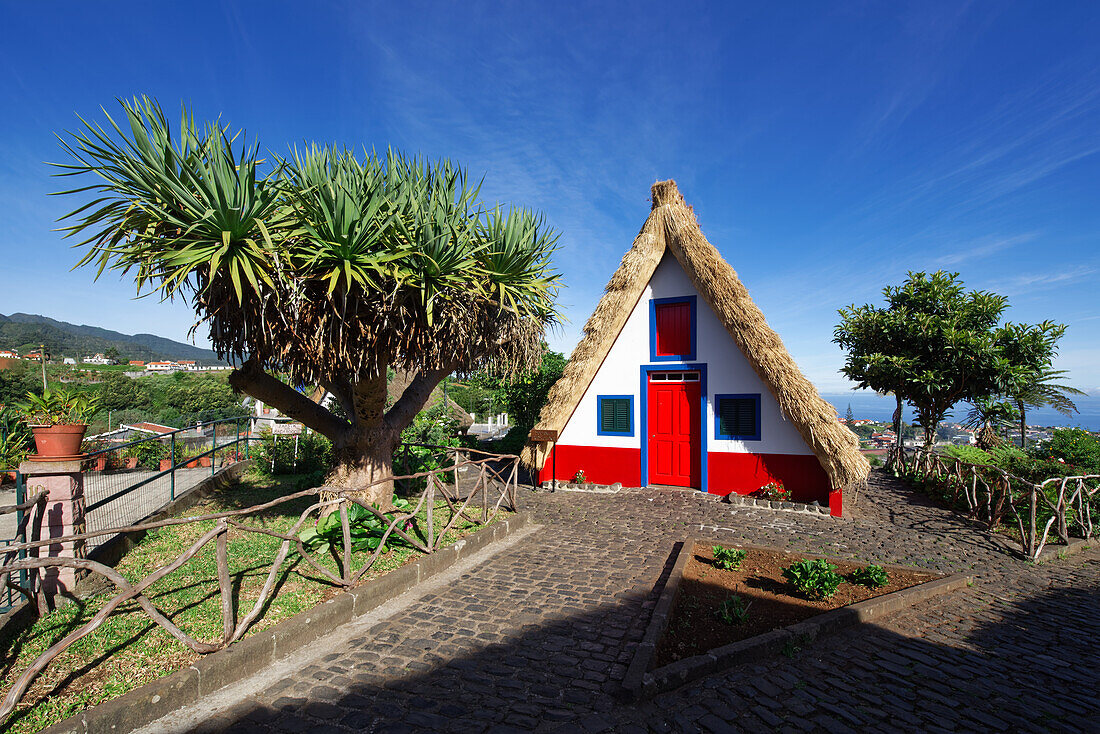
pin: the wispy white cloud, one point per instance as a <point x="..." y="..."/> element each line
<point x="1020" y="284"/>
<point x="978" y="250"/>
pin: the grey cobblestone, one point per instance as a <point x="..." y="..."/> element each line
<point x="538" y="638"/>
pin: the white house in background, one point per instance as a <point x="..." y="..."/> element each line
<point x="67" y="360"/>
<point x="97" y="359"/>
<point x="162" y="367"/>
<point x="188" y="364"/>
<point x="679" y="380"/>
<point x="8" y="354"/>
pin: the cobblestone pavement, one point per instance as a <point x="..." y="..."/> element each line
<point x="538" y="638"/>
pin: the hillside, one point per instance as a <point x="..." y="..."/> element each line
<point x="22" y="332"/>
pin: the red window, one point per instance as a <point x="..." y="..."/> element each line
<point x="672" y="324"/>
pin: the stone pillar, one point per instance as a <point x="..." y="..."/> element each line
<point x="64" y="515"/>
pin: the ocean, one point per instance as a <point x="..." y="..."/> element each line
<point x="866" y="404"/>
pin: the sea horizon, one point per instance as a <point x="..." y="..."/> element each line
<point x="866" y="404"/>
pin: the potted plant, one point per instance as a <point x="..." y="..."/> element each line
<point x="13" y="449"/>
<point x="58" y="420"/>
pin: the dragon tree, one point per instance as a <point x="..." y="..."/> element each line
<point x="322" y="268"/>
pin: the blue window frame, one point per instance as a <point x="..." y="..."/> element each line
<point x="614" y="415"/>
<point x="737" y="417"/>
<point x="653" y="304"/>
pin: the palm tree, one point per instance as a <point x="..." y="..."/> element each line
<point x="986" y="416"/>
<point x="320" y="269"/>
<point x="1042" y="388"/>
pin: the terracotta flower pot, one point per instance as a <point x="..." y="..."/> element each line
<point x="100" y="463"/>
<point x="206" y="461"/>
<point x="131" y="462"/>
<point x="165" y="464"/>
<point x="193" y="464"/>
<point x="58" y="442"/>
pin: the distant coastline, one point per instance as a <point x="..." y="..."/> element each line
<point x="868" y="405"/>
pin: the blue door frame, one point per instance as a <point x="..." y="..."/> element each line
<point x="643" y="391"/>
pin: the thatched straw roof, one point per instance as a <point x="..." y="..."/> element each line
<point x="672" y="226"/>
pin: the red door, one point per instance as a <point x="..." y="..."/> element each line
<point x="673" y="425"/>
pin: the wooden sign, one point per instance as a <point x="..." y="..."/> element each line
<point x="541" y="434"/>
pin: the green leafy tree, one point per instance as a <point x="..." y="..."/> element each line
<point x="523" y="395"/>
<point x="935" y="344"/>
<point x="1042" y="387"/>
<point x="119" y="392"/>
<point x="324" y="267"/>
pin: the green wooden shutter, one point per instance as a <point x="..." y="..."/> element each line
<point x="737" y="417"/>
<point x="615" y="415"/>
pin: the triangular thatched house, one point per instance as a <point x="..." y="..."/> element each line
<point x="678" y="380"/>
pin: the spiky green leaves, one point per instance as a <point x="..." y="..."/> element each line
<point x="179" y="210"/>
<point x="323" y="265"/>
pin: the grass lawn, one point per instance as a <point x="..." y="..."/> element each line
<point x="129" y="650"/>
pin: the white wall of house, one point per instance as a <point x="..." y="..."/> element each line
<point x="728" y="372"/>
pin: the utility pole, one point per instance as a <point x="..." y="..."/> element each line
<point x="42" y="356"/>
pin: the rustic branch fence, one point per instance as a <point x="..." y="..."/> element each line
<point x="475" y="486"/>
<point x="992" y="495"/>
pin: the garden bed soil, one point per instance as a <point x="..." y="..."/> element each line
<point x="694" y="628"/>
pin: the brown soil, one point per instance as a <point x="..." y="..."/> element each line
<point x="694" y="628"/>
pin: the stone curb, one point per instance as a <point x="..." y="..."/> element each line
<point x="640" y="682"/>
<point x="1055" y="552"/>
<point x="252" y="654"/>
<point x="647" y="648"/>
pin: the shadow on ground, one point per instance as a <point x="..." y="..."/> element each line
<point x="1022" y="663"/>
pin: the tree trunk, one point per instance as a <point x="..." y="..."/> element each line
<point x="365" y="465"/>
<point x="1023" y="425"/>
<point x="363" y="447"/>
<point x="895" y="455"/>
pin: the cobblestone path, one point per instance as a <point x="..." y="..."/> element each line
<point x="539" y="637"/>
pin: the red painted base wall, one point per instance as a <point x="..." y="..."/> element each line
<point x="726" y="472"/>
<point x="746" y="473"/>
<point x="601" y="465"/>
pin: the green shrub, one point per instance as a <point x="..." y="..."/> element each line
<point x="1076" y="447"/>
<point x="1004" y="454"/>
<point x="873" y="577"/>
<point x="874" y="460"/>
<point x="148" y="453"/>
<point x="728" y="559"/>
<point x="365" y="528"/>
<point x="816" y="579"/>
<point x="969" y="454"/>
<point x="276" y="457"/>
<point x="733" y="610"/>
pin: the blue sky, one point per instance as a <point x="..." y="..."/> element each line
<point x="826" y="148"/>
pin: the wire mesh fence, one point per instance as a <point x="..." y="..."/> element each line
<point x="128" y="482"/>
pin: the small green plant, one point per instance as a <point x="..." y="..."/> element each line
<point x="794" y="645"/>
<point x="873" y="577"/>
<point x="58" y="407"/>
<point x="816" y="579"/>
<point x="13" y="449"/>
<point x="728" y="559"/>
<point x="579" y="477"/>
<point x="366" y="530"/>
<point x="733" y="610"/>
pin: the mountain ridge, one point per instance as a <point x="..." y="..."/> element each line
<point x="23" y="330"/>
